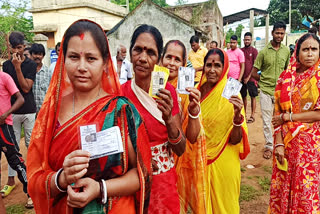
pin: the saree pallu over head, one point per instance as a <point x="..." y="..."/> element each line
<point x="49" y="145"/>
<point x="302" y="91"/>
<point x="191" y="166"/>
<point x="217" y="114"/>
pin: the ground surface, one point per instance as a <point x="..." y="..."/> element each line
<point x="254" y="188"/>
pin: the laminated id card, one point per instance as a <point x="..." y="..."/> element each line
<point x="232" y="87"/>
<point x="159" y="78"/>
<point x="185" y="79"/>
<point x="100" y="144"/>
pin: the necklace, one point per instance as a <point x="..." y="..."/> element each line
<point x="73" y="105"/>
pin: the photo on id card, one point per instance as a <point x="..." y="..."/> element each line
<point x="185" y="79"/>
<point x="232" y="87"/>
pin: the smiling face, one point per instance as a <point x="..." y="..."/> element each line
<point x="84" y="63"/>
<point x="173" y="59"/>
<point x="213" y="69"/>
<point x="37" y="57"/>
<point x="308" y="53"/>
<point x="144" y="56"/>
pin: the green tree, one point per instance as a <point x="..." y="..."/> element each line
<point x="279" y="10"/>
<point x="134" y="3"/>
<point x="14" y="17"/>
<point x="231" y="32"/>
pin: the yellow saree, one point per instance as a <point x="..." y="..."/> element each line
<point x="191" y="166"/>
<point x="223" y="171"/>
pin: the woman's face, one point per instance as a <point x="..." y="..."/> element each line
<point x="144" y="55"/>
<point x="213" y="68"/>
<point x="83" y="62"/>
<point x="309" y="53"/>
<point x="173" y="59"/>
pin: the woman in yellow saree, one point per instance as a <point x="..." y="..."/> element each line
<point x="226" y="136"/>
<point x="83" y="91"/>
<point x="192" y="164"/>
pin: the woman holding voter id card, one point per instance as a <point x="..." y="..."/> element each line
<point x="295" y="177"/>
<point x="71" y="167"/>
<point x="226" y="135"/>
<point x="192" y="164"/>
<point x="160" y="112"/>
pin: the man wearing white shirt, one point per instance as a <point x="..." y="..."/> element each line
<point x="123" y="66"/>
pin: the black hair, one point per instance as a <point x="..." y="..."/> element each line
<point x="37" y="49"/>
<point x="194" y="39"/>
<point x="215" y="43"/>
<point x="57" y="45"/>
<point x="153" y="31"/>
<point x="16" y="38"/>
<point x="313" y="30"/>
<point x="278" y="25"/>
<point x="184" y="51"/>
<point x="248" y="34"/>
<point x="215" y="51"/>
<point x="82" y="26"/>
<point x="27" y="49"/>
<point x="234" y="37"/>
<point x="304" y="38"/>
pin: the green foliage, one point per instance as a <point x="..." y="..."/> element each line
<point x="14" y="17"/>
<point x="231" y="32"/>
<point x="248" y="193"/>
<point x="264" y="183"/>
<point x="267" y="169"/>
<point x="134" y="3"/>
<point x="279" y="10"/>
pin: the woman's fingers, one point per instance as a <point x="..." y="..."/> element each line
<point x="72" y="178"/>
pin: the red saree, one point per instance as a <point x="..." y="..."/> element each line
<point x="297" y="189"/>
<point x="49" y="145"/>
<point x="164" y="196"/>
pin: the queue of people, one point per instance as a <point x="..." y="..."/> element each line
<point x="181" y="152"/>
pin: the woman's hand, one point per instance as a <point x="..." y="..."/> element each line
<point x="279" y="153"/>
<point x="277" y="120"/>
<point x="90" y="191"/>
<point x="74" y="167"/>
<point x="165" y="104"/>
<point x="194" y="98"/>
<point x="237" y="106"/>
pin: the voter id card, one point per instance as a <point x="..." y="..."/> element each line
<point x="100" y="144"/>
<point x="185" y="79"/>
<point x="232" y="87"/>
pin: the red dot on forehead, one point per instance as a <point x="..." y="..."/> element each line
<point x="81" y="36"/>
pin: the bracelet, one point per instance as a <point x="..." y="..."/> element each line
<point x="56" y="179"/>
<point x="194" y="117"/>
<point x="105" y="193"/>
<point x="177" y="140"/>
<point x="291" y="117"/>
<point x="282" y="117"/>
<point x="241" y="121"/>
<point x="279" y="144"/>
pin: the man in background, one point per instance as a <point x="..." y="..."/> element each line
<point x="236" y="59"/>
<point x="196" y="57"/>
<point x="249" y="84"/>
<point x="122" y="65"/>
<point x="53" y="65"/>
<point x="271" y="61"/>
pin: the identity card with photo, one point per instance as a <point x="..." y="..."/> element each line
<point x="103" y="143"/>
<point x="159" y="78"/>
<point x="185" y="79"/>
<point x="232" y="87"/>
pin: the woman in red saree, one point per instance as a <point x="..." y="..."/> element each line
<point x="191" y="166"/>
<point x="83" y="91"/>
<point x="295" y="188"/>
<point x="161" y="117"/>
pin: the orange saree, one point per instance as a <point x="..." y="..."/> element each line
<point x="191" y="166"/>
<point x="51" y="143"/>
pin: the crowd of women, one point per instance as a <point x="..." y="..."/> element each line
<point x="181" y="152"/>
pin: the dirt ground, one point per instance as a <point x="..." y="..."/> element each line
<point x="256" y="200"/>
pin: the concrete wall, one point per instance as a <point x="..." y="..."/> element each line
<point x="147" y="13"/>
<point x="206" y="16"/>
<point x="57" y="15"/>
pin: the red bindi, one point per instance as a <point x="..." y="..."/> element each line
<point x="81" y="36"/>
